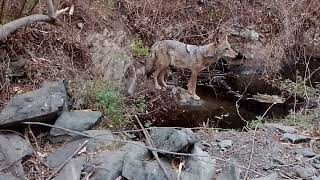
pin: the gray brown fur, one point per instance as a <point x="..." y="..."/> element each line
<point x="196" y="58"/>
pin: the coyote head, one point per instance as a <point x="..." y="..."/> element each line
<point x="223" y="48"/>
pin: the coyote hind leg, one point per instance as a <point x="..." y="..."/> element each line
<point x="162" y="77"/>
<point x="192" y="85"/>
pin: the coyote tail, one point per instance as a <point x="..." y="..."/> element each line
<point x="150" y="61"/>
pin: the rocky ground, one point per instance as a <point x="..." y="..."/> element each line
<point x="76" y="151"/>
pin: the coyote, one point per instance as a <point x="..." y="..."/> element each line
<point x="196" y="58"/>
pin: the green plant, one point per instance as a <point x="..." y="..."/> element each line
<point x="111" y="102"/>
<point x="139" y="49"/>
<point x="299" y="87"/>
<point x="258" y="122"/>
<point x="8" y="74"/>
<point x="142" y="105"/>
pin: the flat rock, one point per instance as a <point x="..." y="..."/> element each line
<point x="78" y="120"/>
<point x="55" y="159"/>
<point x="109" y="165"/>
<point x="295" y="138"/>
<point x="43" y="104"/>
<point x="272" y="127"/>
<point x="316" y="178"/>
<point x="94" y="145"/>
<point x="230" y="172"/>
<point x="225" y="144"/>
<point x="13" y="149"/>
<point x="306" y="152"/>
<point x="8" y="177"/>
<point x="203" y="168"/>
<point x="136" y="169"/>
<point x="273" y="176"/>
<point x="305" y="172"/>
<point x="173" y="140"/>
<point x="72" y="170"/>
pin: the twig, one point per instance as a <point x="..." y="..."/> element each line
<point x="67" y="160"/>
<point x="150" y="143"/>
<point x="34" y="138"/>
<point x="140" y="145"/>
<point x="252" y="152"/>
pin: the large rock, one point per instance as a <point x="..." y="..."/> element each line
<point x="202" y="167"/>
<point x="79" y="120"/>
<point x="94" y="145"/>
<point x="43" y="104"/>
<point x="72" y="170"/>
<point x="109" y="165"/>
<point x="110" y="53"/>
<point x="13" y="149"/>
<point x="173" y="140"/>
<point x="231" y="172"/>
<point x="295" y="138"/>
<point x="272" y="127"/>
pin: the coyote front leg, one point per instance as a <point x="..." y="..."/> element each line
<point x="155" y="75"/>
<point x="192" y="85"/>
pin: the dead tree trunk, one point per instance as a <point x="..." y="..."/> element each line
<point x="9" y="28"/>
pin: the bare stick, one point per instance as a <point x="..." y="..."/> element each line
<point x="2" y="8"/>
<point x="7" y="29"/>
<point x="66" y="161"/>
<point x="150" y="143"/>
<point x="252" y="152"/>
<point x="140" y="145"/>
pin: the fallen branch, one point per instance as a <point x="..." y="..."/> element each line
<point x="7" y="29"/>
<point x="66" y="161"/>
<point x="140" y="145"/>
<point x="150" y="144"/>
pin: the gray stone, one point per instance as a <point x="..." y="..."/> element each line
<point x="306" y="152"/>
<point x="78" y="120"/>
<point x="317" y="166"/>
<point x="94" y="145"/>
<point x="272" y="127"/>
<point x="203" y="168"/>
<point x="225" y="144"/>
<point x="173" y="140"/>
<point x="8" y="177"/>
<point x="316" y="178"/>
<point x="109" y="165"/>
<point x="273" y="176"/>
<point x="231" y="172"/>
<point x="295" y="138"/>
<point x="72" y="170"/>
<point x="305" y="172"/>
<point x="13" y="149"/>
<point x="136" y="169"/>
<point x="55" y="159"/>
<point x="43" y="104"/>
<point x="108" y="54"/>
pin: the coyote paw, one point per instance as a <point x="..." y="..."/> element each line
<point x="196" y="97"/>
<point x="158" y="87"/>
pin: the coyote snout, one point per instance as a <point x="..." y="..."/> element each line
<point x="180" y="55"/>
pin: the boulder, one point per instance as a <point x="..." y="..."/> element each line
<point x="43" y="104"/>
<point x="295" y="138"/>
<point x="13" y="149"/>
<point x="173" y="140"/>
<point x="72" y="170"/>
<point x="272" y="127"/>
<point x="203" y="168"/>
<point x="231" y="172"/>
<point x="78" y="120"/>
<point x="94" y="145"/>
